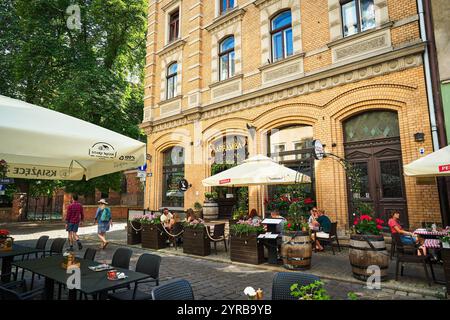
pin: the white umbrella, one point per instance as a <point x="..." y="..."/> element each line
<point x="435" y="164"/>
<point x="38" y="143"/>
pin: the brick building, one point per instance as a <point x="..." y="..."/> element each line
<point x="226" y="80"/>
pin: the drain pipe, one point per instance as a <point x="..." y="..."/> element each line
<point x="429" y="86"/>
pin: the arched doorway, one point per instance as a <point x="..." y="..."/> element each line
<point x="372" y="144"/>
<point x="173" y="171"/>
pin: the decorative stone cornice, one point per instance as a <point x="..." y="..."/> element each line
<point x="333" y="76"/>
<point x="281" y="62"/>
<point x="225" y="20"/>
<point x="218" y="83"/>
<point x="264" y="3"/>
<point x="359" y="35"/>
<point x="170" y="4"/>
<point x="171" y="47"/>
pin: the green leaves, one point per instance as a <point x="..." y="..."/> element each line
<point x="313" y="291"/>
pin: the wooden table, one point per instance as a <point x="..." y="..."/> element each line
<point x="91" y="282"/>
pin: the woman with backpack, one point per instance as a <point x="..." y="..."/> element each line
<point x="104" y="220"/>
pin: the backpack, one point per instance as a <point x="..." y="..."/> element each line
<point x="106" y="215"/>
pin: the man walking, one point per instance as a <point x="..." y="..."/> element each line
<point x="74" y="218"/>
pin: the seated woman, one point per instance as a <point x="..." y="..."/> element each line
<point x="175" y="219"/>
<point x="406" y="237"/>
<point x="323" y="223"/>
<point x="190" y="215"/>
<point x="312" y="218"/>
<point x="254" y="216"/>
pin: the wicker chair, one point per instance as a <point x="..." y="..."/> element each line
<point x="176" y="234"/>
<point x="148" y="264"/>
<point x="282" y="282"/>
<point x="332" y="237"/>
<point x="175" y="290"/>
<point x="219" y="236"/>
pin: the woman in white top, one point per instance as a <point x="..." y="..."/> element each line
<point x="312" y="217"/>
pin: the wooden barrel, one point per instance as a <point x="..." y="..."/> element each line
<point x="210" y="210"/>
<point x="368" y="251"/>
<point x="296" y="251"/>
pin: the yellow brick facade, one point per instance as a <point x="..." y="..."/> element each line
<point x="327" y="92"/>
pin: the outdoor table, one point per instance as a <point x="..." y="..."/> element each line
<point x="8" y="258"/>
<point x="432" y="243"/>
<point x="430" y="234"/>
<point x="91" y="282"/>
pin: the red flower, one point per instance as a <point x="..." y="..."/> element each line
<point x="379" y="227"/>
<point x="355" y="222"/>
<point x="366" y="217"/>
<point x="379" y="221"/>
<point x="289" y="225"/>
<point x="308" y="201"/>
<point x="4" y="232"/>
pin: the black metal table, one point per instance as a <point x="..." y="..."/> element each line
<point x="8" y="258"/>
<point x="91" y="282"/>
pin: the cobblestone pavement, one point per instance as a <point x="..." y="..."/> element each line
<point x="217" y="278"/>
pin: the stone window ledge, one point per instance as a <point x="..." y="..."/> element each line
<point x="218" y="83"/>
<point x="224" y="18"/>
<point x="171" y="46"/>
<point x="359" y="35"/>
<point x="280" y="62"/>
<point x="164" y="102"/>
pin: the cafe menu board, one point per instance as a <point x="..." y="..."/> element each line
<point x="230" y="149"/>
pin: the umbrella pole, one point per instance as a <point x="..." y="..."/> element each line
<point x="262" y="202"/>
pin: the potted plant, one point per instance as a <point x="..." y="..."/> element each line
<point x="134" y="230"/>
<point x="152" y="234"/>
<point x="296" y="249"/>
<point x="6" y="241"/>
<point x="313" y="291"/>
<point x="446" y="242"/>
<point x="195" y="238"/>
<point x="244" y="244"/>
<point x="445" y="256"/>
<point x="367" y="246"/>
<point x="238" y="214"/>
<point x="210" y="207"/>
<point x="198" y="210"/>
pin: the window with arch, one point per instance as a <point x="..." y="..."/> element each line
<point x="370" y="125"/>
<point x="171" y="80"/>
<point x="281" y="34"/>
<point x="226" y="58"/>
<point x="226" y="5"/>
<point x="173" y="172"/>
<point x="357" y="16"/>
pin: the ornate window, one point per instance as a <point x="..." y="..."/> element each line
<point x="171" y="80"/>
<point x="226" y="5"/>
<point x="226" y="58"/>
<point x="281" y="34"/>
<point x="174" y="25"/>
<point x="173" y="172"/>
<point x="371" y="125"/>
<point x="357" y="16"/>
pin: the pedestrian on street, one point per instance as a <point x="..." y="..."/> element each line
<point x="104" y="219"/>
<point x="74" y="219"/>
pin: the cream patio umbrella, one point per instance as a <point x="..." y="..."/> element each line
<point x="257" y="170"/>
<point x="38" y="143"/>
<point x="435" y="164"/>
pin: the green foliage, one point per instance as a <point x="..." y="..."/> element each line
<point x="242" y="203"/>
<point x="103" y="184"/>
<point x="292" y="195"/>
<point x="211" y="196"/>
<point x="95" y="74"/>
<point x="239" y="213"/>
<point x="197" y="206"/>
<point x="313" y="291"/>
<point x="219" y="167"/>
<point x="352" y="296"/>
<point x="246" y="228"/>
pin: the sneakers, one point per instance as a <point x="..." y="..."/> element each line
<point x="80" y="246"/>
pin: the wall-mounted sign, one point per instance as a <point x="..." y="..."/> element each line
<point x="229" y="149"/>
<point x="318" y="151"/>
<point x="183" y="185"/>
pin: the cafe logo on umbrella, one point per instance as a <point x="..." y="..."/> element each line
<point x="102" y="150"/>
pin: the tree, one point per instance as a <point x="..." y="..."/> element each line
<point x="95" y="73"/>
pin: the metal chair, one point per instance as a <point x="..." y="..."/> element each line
<point x="148" y="264"/>
<point x="282" y="282"/>
<point x="7" y="292"/>
<point x="176" y="234"/>
<point x="408" y="254"/>
<point x="332" y="237"/>
<point x="175" y="290"/>
<point x="219" y="236"/>
<point x="121" y="258"/>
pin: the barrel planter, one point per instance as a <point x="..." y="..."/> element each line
<point x="196" y="241"/>
<point x="246" y="248"/>
<point x="134" y="231"/>
<point x="365" y="251"/>
<point x="153" y="236"/>
<point x="445" y="255"/>
<point x="296" y="250"/>
<point x="210" y="210"/>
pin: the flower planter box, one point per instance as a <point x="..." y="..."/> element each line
<point x="153" y="237"/>
<point x="445" y="255"/>
<point x="196" y="241"/>
<point x="246" y="249"/>
<point x="134" y="231"/>
<point x="362" y="255"/>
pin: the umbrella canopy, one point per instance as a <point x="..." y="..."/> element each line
<point x="435" y="164"/>
<point x="258" y="170"/>
<point x="38" y="143"/>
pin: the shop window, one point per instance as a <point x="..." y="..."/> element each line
<point x="281" y="34"/>
<point x="171" y="80"/>
<point x="226" y="58"/>
<point x="357" y="16"/>
<point x="174" y="25"/>
<point x="371" y="125"/>
<point x="173" y="172"/>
